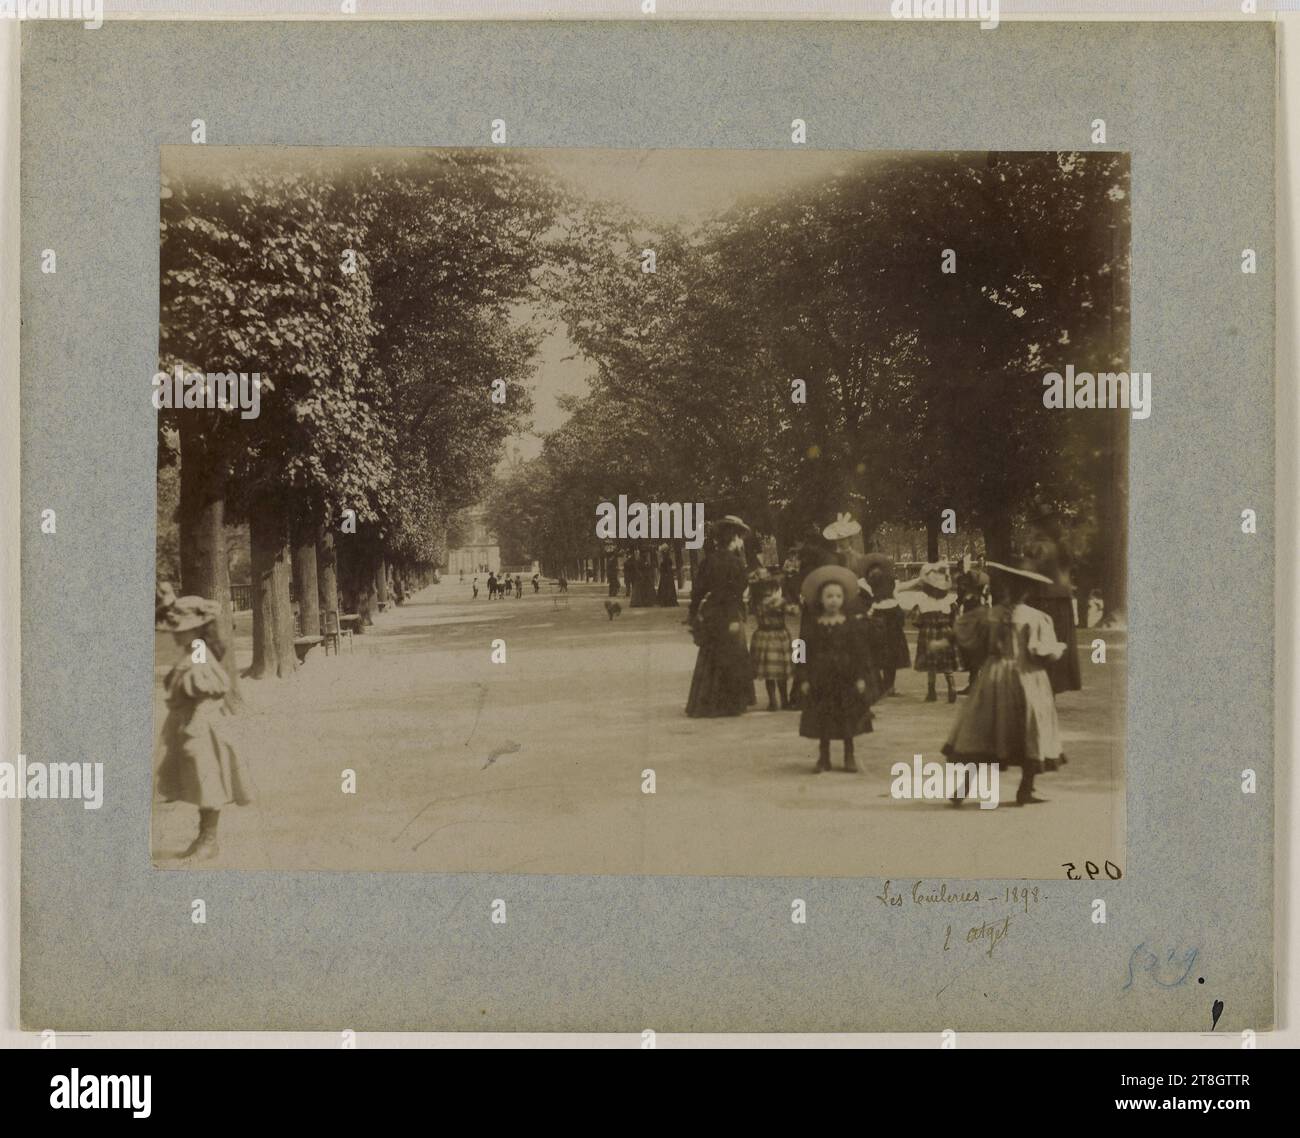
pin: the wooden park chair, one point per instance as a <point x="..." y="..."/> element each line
<point x="334" y="632"/>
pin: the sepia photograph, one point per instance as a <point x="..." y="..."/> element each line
<point x="667" y="512"/>
<point x="673" y="530"/>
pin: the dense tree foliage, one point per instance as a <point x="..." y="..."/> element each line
<point x="872" y="342"/>
<point x="379" y="301"/>
<point x="923" y="386"/>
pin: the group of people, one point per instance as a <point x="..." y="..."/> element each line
<point x="501" y="587"/>
<point x="1010" y="627"/>
<point x="639" y="581"/>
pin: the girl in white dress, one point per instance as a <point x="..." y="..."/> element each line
<point x="1011" y="716"/>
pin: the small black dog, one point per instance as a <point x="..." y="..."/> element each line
<point x="613" y="608"/>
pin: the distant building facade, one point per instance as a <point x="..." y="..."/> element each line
<point x="480" y="553"/>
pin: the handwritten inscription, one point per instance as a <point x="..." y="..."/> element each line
<point x="991" y="933"/>
<point x="1023" y="897"/>
<point x="932" y="895"/>
<point x="987" y="934"/>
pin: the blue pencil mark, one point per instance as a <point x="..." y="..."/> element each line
<point x="1167" y="970"/>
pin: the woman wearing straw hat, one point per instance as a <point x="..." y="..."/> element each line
<point x="845" y="535"/>
<point x="722" y="683"/>
<point x="1010" y="718"/>
<point x="199" y="765"/>
<point x="836" y="687"/>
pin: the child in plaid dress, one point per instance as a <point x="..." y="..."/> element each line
<point x="934" y="641"/>
<point x="771" y="648"/>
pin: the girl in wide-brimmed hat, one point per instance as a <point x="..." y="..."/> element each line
<point x="1010" y="718"/>
<point x="199" y="765"/>
<point x="809" y="556"/>
<point x="836" y="687"/>
<point x="934" y="622"/>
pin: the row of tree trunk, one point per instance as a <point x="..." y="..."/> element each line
<point x="330" y="572"/>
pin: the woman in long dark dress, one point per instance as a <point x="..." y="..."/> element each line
<point x="643" y="584"/>
<point x="723" y="682"/>
<point x="1049" y="554"/>
<point x="667" y="594"/>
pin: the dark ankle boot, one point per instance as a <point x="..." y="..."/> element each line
<point x="850" y="763"/>
<point x="1025" y="792"/>
<point x="930" y="694"/>
<point x="823" y="757"/>
<point x="952" y="690"/>
<point x="189" y="850"/>
<point x="205" y="845"/>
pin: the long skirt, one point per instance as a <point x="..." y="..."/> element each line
<point x="838" y="711"/>
<point x="200" y="765"/>
<point x="667" y="594"/>
<point x="1063" y="673"/>
<point x="1010" y="719"/>
<point x="888" y="643"/>
<point x="723" y="683"/>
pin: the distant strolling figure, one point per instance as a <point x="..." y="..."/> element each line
<point x="837" y="687"/>
<point x="666" y="597"/>
<point x="492" y="586"/>
<point x="519" y="586"/>
<point x="1049" y="555"/>
<point x="563" y="582"/>
<point x="771" y="650"/>
<point x="642" y="581"/>
<point x="199" y="765"/>
<point x="722" y="683"/>
<point x="475" y="587"/>
<point x="537" y="584"/>
<point x="934" y="638"/>
<point x="1010" y="718"/>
